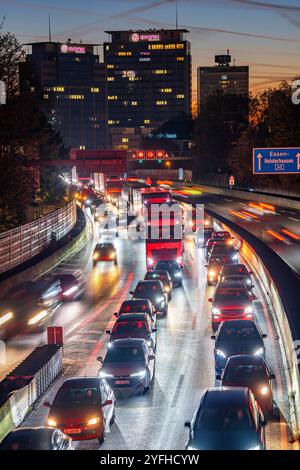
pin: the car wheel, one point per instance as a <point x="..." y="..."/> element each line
<point x="215" y="326"/>
<point x="94" y="263"/>
<point x="115" y="262"/>
<point x="101" y="438"/>
<point x="113" y="418"/>
<point x="169" y="297"/>
<point x="148" y="384"/>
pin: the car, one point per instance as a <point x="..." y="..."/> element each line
<point x="252" y="372"/>
<point x="218" y="238"/>
<point x="214" y="266"/>
<point x="203" y="235"/>
<point x="134" y="325"/>
<point x="237" y="337"/>
<point x="173" y="269"/>
<point x="236" y="272"/>
<point x="137" y="306"/>
<point x="72" y="287"/>
<point x="105" y="252"/>
<point x="154" y="291"/>
<point x="165" y="279"/>
<point x="227" y="419"/>
<point x="83" y="408"/>
<point x="40" y="438"/>
<point x="129" y="365"/>
<point x="232" y="301"/>
<point x="224" y="250"/>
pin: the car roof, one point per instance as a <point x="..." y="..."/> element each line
<point x="129" y="342"/>
<point x="238" y="324"/>
<point x="235" y="266"/>
<point x="134" y="316"/>
<point x="149" y="282"/>
<point x="136" y="301"/>
<point x="226" y="396"/>
<point x="81" y="381"/>
<point x="232" y="285"/>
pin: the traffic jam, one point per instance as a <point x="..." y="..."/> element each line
<point x="233" y="415"/>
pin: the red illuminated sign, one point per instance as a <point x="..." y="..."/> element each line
<point x="160" y="154"/>
<point x="150" y="154"/>
<point x="141" y="154"/>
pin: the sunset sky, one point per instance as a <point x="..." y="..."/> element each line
<point x="262" y="34"/>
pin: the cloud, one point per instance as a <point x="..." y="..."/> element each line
<point x="49" y="7"/>
<point x="269" y="6"/>
<point x="143" y="8"/>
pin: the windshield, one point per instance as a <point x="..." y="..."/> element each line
<point x="151" y="291"/>
<point x="134" y="307"/>
<point x="167" y="266"/>
<point x="77" y="396"/>
<point x="235" y="270"/>
<point x="223" y="419"/>
<point x="246" y="373"/>
<point x="127" y="355"/>
<point x="130" y="327"/>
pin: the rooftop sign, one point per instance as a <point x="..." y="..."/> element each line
<point x="71" y="49"/>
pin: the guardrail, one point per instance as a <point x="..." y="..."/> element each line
<point x="282" y="289"/>
<point x="25" y="242"/>
<point x="25" y="384"/>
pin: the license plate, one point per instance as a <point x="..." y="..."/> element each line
<point x="72" y="431"/>
<point x="122" y="382"/>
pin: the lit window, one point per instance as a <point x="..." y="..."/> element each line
<point x="110" y="79"/>
<point x="110" y="66"/>
<point x="160" y="71"/>
<point x="180" y="96"/>
<point x="160" y="103"/>
<point x="155" y="46"/>
<point x="134" y="103"/>
<point x="180" y="59"/>
<point x="58" y="88"/>
<point x="123" y="53"/>
<point x="170" y="46"/>
<point x="82" y="147"/>
<point x="166" y="90"/>
<point x="180" y="46"/>
<point x="46" y="97"/>
<point x="146" y="121"/>
<point x="95" y="90"/>
<point x="76" y="97"/>
<point x="112" y="97"/>
<point x="125" y="139"/>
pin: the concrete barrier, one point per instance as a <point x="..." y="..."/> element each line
<point x="284" y="307"/>
<point x="252" y="196"/>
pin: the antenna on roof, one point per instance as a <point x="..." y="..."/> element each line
<point x="176" y="4"/>
<point x="49" y="24"/>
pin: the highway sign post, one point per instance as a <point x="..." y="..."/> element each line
<point x="276" y="161"/>
<point x="231" y="181"/>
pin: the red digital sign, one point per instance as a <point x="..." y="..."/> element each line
<point x="150" y="154"/>
<point x="141" y="154"/>
<point x="160" y="154"/>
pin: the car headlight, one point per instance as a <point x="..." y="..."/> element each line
<point x="249" y="311"/>
<point x="51" y="422"/>
<point x="5" y="318"/>
<point x="220" y="353"/>
<point x="160" y="299"/>
<point x="259" y="352"/>
<point x="248" y="282"/>
<point x="40" y="316"/>
<point x="167" y="289"/>
<point x="264" y="391"/>
<point x="216" y="311"/>
<point x="235" y="257"/>
<point x="255" y="447"/>
<point x="150" y="261"/>
<point x="104" y="375"/>
<point x="71" y="291"/>
<point x="93" y="421"/>
<point x="179" y="260"/>
<point x="178" y="274"/>
<point x="140" y="374"/>
<point x="95" y="257"/>
<point x="212" y="273"/>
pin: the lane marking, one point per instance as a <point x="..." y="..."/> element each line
<point x="294" y="220"/>
<point x="177" y="391"/>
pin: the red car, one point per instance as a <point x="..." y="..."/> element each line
<point x="83" y="408"/>
<point x="232" y="301"/>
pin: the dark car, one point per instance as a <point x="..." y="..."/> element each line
<point x="227" y="419"/>
<point x="36" y="439"/>
<point x="129" y="365"/>
<point x="236" y="338"/>
<point x="72" y="286"/>
<point x="83" y="408"/>
<point x="105" y="252"/>
<point x="165" y="279"/>
<point x="218" y="238"/>
<point x="173" y="269"/>
<point x="232" y="301"/>
<point x="236" y="272"/>
<point x="203" y="235"/>
<point x="134" y="325"/>
<point x="224" y="250"/>
<point x="252" y="372"/>
<point x="137" y="306"/>
<point x="214" y="266"/>
<point x="152" y="290"/>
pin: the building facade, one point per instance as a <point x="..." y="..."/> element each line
<point x="148" y="82"/>
<point x="71" y="84"/>
<point x="223" y="77"/>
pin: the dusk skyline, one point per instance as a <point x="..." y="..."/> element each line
<point x="263" y="35"/>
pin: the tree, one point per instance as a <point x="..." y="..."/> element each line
<point x="222" y="119"/>
<point x="274" y="122"/>
<point x="11" y="54"/>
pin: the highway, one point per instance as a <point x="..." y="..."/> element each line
<point x="277" y="226"/>
<point x="184" y="355"/>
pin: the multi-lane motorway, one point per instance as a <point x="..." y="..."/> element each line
<point x="184" y="355"/>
